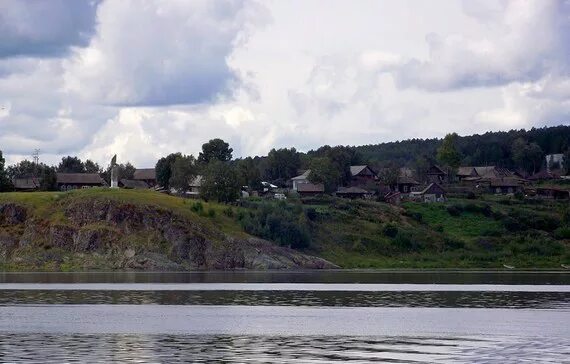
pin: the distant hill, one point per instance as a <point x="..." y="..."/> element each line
<point x="491" y="148"/>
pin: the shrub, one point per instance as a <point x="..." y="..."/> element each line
<point x="471" y="195"/>
<point x="452" y="244"/>
<point x="414" y="215"/>
<point x="229" y="212"/>
<point x="197" y="207"/>
<point x="454" y="210"/>
<point x="562" y="233"/>
<point x="390" y="230"/>
<point x="311" y="213"/>
<point x="211" y="213"/>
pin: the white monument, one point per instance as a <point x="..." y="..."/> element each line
<point x="114" y="172"/>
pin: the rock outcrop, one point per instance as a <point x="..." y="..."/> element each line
<point x="141" y="237"/>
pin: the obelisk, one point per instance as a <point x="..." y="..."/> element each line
<point x="114" y="172"/>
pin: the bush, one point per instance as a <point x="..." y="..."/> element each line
<point x="197" y="207"/>
<point x="211" y="213"/>
<point x="454" y="210"/>
<point x="390" y="230"/>
<point x="311" y="213"/>
<point x="229" y="212"/>
<point x="562" y="233"/>
<point x="471" y="195"/>
<point x="537" y="247"/>
<point x="414" y="215"/>
<point x="452" y="244"/>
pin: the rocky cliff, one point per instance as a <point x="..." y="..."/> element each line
<point x="98" y="233"/>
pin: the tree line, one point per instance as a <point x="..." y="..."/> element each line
<point x="222" y="176"/>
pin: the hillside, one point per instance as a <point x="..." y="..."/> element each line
<point x="129" y="229"/>
<point x="144" y="230"/>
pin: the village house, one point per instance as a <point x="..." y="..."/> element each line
<point x="353" y="192"/>
<point x="362" y="175"/>
<point x="544" y="175"/>
<point x="26" y="184"/>
<point x="73" y="181"/>
<point x="133" y="184"/>
<point x="505" y="186"/>
<point x="430" y="193"/>
<point x="436" y="174"/>
<point x="466" y="173"/>
<point x="310" y="189"/>
<point x="300" y="179"/>
<point x="147" y="175"/>
<point x="404" y="185"/>
<point x="195" y="186"/>
<point x="552" y="193"/>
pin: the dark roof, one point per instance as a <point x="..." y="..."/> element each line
<point x="431" y="188"/>
<point x="493" y="172"/>
<point x="352" y="191"/>
<point x="26" y="183"/>
<point x="505" y="182"/>
<point x="132" y="183"/>
<point x="466" y="172"/>
<point x="80" y="178"/>
<point x="310" y="187"/>
<point x="544" y="175"/>
<point x="435" y="169"/>
<point x="407" y="181"/>
<point x="145" y="173"/>
<point x="356" y="170"/>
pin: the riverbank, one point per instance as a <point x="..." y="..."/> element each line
<point x="105" y="229"/>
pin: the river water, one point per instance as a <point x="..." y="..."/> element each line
<point x="283" y="317"/>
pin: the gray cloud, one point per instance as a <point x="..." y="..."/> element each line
<point x="41" y="28"/>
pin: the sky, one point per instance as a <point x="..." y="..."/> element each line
<point x="142" y="79"/>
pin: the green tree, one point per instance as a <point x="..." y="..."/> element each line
<point x="566" y="162"/>
<point x="26" y="169"/>
<point x="527" y="156"/>
<point x="447" y="153"/>
<point x="163" y="169"/>
<point x="215" y="149"/>
<point x="248" y="173"/>
<point x="91" y="167"/>
<point x="183" y="172"/>
<point x="126" y="171"/>
<point x="324" y="171"/>
<point x="5" y="184"/>
<point x="48" y="179"/>
<point x="71" y="165"/>
<point x="282" y="164"/>
<point x="220" y="182"/>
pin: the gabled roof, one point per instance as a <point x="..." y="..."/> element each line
<point x="303" y="176"/>
<point x="356" y="170"/>
<point x="432" y="186"/>
<point x="435" y="169"/>
<point x="80" y="178"/>
<point x="26" y="183"/>
<point x="493" y="172"/>
<point x="144" y="173"/>
<point x="466" y="172"/>
<point x="132" y="183"/>
<point x="542" y="175"/>
<point x="407" y="180"/>
<point x="352" y="191"/>
<point x="310" y="187"/>
<point x="197" y="181"/>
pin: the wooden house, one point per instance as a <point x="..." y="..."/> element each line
<point x="300" y="179"/>
<point x="404" y="184"/>
<point x="353" y="192"/>
<point x="362" y="175"/>
<point x="133" y="184"/>
<point x="436" y="174"/>
<point x="147" y="175"/>
<point x="72" y="181"/>
<point x="26" y="184"/>
<point x="310" y="189"/>
<point x="430" y="193"/>
<point x="505" y="186"/>
<point x="552" y="193"/>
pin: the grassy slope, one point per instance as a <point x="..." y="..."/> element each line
<point x="374" y="235"/>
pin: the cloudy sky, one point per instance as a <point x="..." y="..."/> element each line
<point x="145" y="78"/>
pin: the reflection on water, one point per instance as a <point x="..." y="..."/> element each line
<point x="330" y="276"/>
<point x="278" y="349"/>
<point x="536" y="300"/>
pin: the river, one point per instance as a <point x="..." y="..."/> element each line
<point x="283" y="317"/>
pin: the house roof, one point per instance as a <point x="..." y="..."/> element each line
<point x="80" y="178"/>
<point x="544" y="175"/>
<point x="144" y="173"/>
<point x="132" y="183"/>
<point x="356" y="170"/>
<point x="197" y="181"/>
<point x="310" y="187"/>
<point x="352" y="191"/>
<point x="26" y="183"/>
<point x="303" y="176"/>
<point x="435" y="169"/>
<point x="432" y="186"/>
<point x="504" y="182"/>
<point x="407" y="181"/>
<point x="466" y="171"/>
<point x="493" y="172"/>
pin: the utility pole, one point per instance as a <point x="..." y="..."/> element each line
<point x="36" y="158"/>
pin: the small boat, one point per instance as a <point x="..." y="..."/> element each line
<point x="508" y="266"/>
<point x="565" y="266"/>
